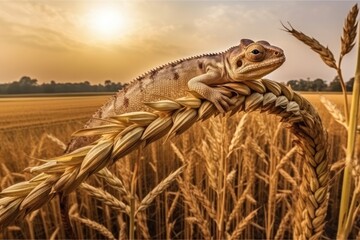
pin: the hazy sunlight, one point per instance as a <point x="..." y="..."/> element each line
<point x="106" y="23"/>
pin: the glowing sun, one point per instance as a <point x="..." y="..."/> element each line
<point x="106" y="22"/>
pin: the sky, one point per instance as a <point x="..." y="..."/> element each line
<point x="75" y="41"/>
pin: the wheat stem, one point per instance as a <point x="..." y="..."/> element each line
<point x="132" y="204"/>
<point x="351" y="140"/>
<point x="343" y="88"/>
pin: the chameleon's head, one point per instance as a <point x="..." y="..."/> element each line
<point x="252" y="60"/>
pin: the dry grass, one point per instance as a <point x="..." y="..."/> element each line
<point x="274" y="144"/>
<point x="26" y="122"/>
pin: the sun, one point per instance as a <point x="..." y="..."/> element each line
<point x="107" y="23"/>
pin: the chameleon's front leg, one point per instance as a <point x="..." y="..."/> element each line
<point x="201" y="85"/>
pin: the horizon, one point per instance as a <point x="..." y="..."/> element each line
<point x="39" y="82"/>
<point x="120" y="40"/>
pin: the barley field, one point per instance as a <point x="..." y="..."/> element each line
<point x="177" y="183"/>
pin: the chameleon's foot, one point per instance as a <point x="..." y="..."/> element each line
<point x="221" y="102"/>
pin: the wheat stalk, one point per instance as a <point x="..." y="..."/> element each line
<point x="133" y="130"/>
<point x="249" y="185"/>
<point x="203" y="200"/>
<point x="191" y="201"/>
<point x="169" y="211"/>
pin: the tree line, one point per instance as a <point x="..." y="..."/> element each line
<point x="319" y="85"/>
<point x="29" y="85"/>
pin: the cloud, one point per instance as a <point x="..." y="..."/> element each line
<point x="38" y="25"/>
<point x="38" y="37"/>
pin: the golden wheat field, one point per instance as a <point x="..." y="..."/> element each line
<point x="255" y="151"/>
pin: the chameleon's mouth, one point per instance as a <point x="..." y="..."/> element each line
<point x="263" y="67"/>
<point x="253" y="70"/>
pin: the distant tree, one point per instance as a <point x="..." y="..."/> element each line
<point x="349" y="84"/>
<point x="107" y="82"/>
<point x="319" y="85"/>
<point x="294" y="84"/>
<point x="305" y="85"/>
<point x="108" y="85"/>
<point x="29" y="85"/>
<point x="335" y="85"/>
<point x="27" y="81"/>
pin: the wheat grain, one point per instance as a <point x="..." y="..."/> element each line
<point x="230" y="177"/>
<point x="112" y="181"/>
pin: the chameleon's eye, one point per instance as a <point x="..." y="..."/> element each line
<point x="255" y="52"/>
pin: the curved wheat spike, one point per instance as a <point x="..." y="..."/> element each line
<point x="174" y="117"/>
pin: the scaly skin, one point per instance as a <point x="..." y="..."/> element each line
<point x="247" y="61"/>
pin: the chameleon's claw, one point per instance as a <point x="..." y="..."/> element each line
<point x="223" y="103"/>
<point x="226" y="102"/>
<point x="219" y="107"/>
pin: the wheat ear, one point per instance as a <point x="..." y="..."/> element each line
<point x="349" y="31"/>
<point x="324" y="52"/>
<point x="129" y="131"/>
<point x="91" y="224"/>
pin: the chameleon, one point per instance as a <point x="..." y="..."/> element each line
<point x="247" y="61"/>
